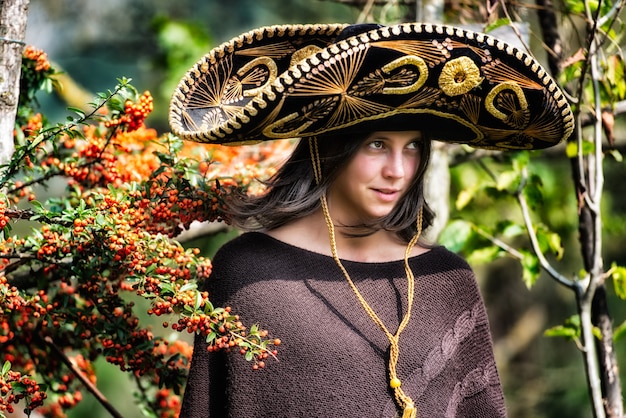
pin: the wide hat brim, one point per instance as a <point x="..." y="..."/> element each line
<point x="297" y="81"/>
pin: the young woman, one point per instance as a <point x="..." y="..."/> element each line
<point x="374" y="322"/>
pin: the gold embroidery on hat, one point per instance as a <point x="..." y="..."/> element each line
<point x="543" y="126"/>
<point x="424" y="98"/>
<point x="213" y="117"/>
<point x="507" y="102"/>
<point x="430" y="51"/>
<point x="292" y="125"/>
<point x="498" y="72"/>
<point x="332" y="79"/>
<point x="303" y="53"/>
<point x="353" y="109"/>
<point x="470" y="106"/>
<point x="459" y="76"/>
<point x="260" y="72"/>
<point x="402" y="62"/>
<point x="276" y="50"/>
<point x="214" y="92"/>
<point x="211" y="89"/>
<point x="406" y="79"/>
<point x="344" y="108"/>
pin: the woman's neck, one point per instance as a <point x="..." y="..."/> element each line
<point x="311" y="233"/>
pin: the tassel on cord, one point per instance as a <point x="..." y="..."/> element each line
<point x="409" y="411"/>
<point x="403" y="400"/>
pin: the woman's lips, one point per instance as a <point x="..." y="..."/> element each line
<point x="387" y="195"/>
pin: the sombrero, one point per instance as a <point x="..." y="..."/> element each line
<point x="296" y="81"/>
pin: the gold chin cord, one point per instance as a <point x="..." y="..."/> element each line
<point x="403" y="400"/>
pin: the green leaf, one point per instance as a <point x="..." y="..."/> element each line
<point x="208" y="308"/>
<point x="18" y="387"/>
<point x="575" y="6"/>
<point x="619" y="331"/>
<point x="508" y="180"/>
<point x="562" y="331"/>
<point x="549" y="241"/>
<point x="464" y="198"/>
<point x="510" y="229"/>
<point x="530" y="268"/>
<point x="498" y="23"/>
<point x="569" y="330"/>
<point x="254" y="329"/>
<point x="188" y="286"/>
<point x="617" y="156"/>
<point x="533" y="191"/>
<point x="618" y="274"/>
<point x="456" y="234"/>
<point x="571" y="150"/>
<point x="198" y="301"/>
<point x="78" y="111"/>
<point x="37" y="206"/>
<point x="484" y="255"/>
<point x="6" y="367"/>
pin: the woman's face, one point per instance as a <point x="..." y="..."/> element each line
<point x="376" y="178"/>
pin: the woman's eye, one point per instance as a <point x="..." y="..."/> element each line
<point x="413" y="145"/>
<point x="376" y="144"/>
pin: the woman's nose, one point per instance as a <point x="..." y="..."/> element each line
<point x="394" y="165"/>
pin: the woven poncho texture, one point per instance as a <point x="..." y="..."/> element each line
<point x="333" y="358"/>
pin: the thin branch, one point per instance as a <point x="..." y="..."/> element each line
<point x="535" y="242"/>
<point x="517" y="32"/>
<point x="612" y="14"/>
<point x="79" y="374"/>
<point x="498" y="242"/>
<point x="367" y="7"/>
<point x="27" y="214"/>
<point x="590" y="354"/>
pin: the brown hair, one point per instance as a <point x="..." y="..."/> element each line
<point x="293" y="192"/>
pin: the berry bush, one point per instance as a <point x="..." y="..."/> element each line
<point x="73" y="265"/>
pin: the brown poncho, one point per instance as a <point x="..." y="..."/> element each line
<point x="333" y="358"/>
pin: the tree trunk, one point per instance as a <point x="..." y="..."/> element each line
<point x="610" y="381"/>
<point x="13" y="15"/>
<point x="600" y="316"/>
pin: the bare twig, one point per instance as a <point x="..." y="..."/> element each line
<point x="79" y="374"/>
<point x="517" y="32"/>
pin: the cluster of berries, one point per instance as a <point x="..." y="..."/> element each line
<point x="134" y="114"/>
<point x="39" y="58"/>
<point x="28" y="389"/>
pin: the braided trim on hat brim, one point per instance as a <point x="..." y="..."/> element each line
<point x="513" y="71"/>
<point x="180" y="97"/>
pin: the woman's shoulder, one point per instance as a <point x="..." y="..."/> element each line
<point x="441" y="258"/>
<point x="243" y="241"/>
<point x="448" y="255"/>
<point x="245" y="245"/>
<point x="252" y="248"/>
